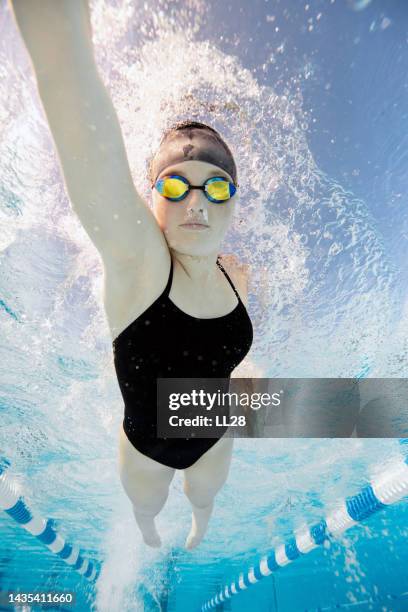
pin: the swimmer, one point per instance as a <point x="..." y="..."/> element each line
<point x="172" y="308"/>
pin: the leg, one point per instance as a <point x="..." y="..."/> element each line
<point x="202" y="481"/>
<point x="146" y="483"/>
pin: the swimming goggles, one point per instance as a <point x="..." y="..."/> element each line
<point x="217" y="189"/>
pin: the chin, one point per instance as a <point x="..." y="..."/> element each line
<point x="200" y="244"/>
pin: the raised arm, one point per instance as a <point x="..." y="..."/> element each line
<point x="86" y="131"/>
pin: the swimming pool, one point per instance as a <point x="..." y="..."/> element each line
<point x="313" y="98"/>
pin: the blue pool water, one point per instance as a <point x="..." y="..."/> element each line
<point x="313" y="99"/>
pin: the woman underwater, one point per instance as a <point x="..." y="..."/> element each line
<point x="172" y="309"/>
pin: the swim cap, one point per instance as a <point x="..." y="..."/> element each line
<point x="192" y="141"/>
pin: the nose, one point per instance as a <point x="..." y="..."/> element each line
<point x="197" y="204"/>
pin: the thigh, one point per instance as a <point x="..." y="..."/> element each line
<point x="141" y="474"/>
<point x="211" y="470"/>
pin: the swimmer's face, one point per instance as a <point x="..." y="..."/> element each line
<point x="194" y="208"/>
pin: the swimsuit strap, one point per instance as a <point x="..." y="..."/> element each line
<point x="168" y="286"/>
<point x="229" y="280"/>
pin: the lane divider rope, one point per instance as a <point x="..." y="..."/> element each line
<point x="15" y="506"/>
<point x="389" y="487"/>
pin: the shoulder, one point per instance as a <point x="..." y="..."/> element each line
<point x="239" y="273"/>
<point x="237" y="267"/>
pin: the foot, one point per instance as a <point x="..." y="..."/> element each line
<point x="199" y="524"/>
<point x="152" y="539"/>
<point x="148" y="528"/>
<point x="192" y="540"/>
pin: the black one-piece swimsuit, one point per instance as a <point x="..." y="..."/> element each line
<point x="165" y="342"/>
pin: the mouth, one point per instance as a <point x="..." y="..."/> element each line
<point x="199" y="226"/>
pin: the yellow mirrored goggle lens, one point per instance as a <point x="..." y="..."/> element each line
<point x="219" y="190"/>
<point x="173" y="188"/>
